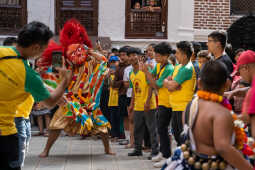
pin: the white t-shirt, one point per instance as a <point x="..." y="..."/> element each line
<point x="151" y="62"/>
<point x="126" y="78"/>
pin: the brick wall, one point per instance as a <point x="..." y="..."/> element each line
<point x="212" y="14"/>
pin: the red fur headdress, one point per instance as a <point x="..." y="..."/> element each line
<point x="74" y="33"/>
<point x="46" y="58"/>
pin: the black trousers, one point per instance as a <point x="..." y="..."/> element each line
<point x="164" y="119"/>
<point x="177" y="126"/>
<point x="115" y="121"/>
<point x="104" y="102"/>
<point x="147" y="142"/>
<point x="123" y="103"/>
<point x="9" y="151"/>
<point x="142" y="119"/>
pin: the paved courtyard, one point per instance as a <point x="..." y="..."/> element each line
<point x="71" y="153"/>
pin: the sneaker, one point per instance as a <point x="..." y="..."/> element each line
<point x="157" y="158"/>
<point x="152" y="155"/>
<point x="160" y="164"/>
<point x="135" y="153"/>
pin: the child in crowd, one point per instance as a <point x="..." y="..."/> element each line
<point x="203" y="57"/>
<point x="41" y="113"/>
<point x="113" y="103"/>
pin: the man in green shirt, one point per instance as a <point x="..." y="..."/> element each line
<point x="19" y="82"/>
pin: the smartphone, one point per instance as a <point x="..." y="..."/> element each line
<point x="56" y="60"/>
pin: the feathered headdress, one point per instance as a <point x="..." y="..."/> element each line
<point x="46" y="58"/>
<point x="74" y="33"/>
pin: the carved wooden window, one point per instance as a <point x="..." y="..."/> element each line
<point x="142" y="23"/>
<point x="242" y="7"/>
<point x="13" y="16"/>
<point x="85" y="11"/>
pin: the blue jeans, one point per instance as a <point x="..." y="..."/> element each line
<point x="24" y="134"/>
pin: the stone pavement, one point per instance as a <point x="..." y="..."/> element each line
<point x="71" y="153"/>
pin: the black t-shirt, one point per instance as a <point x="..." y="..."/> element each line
<point x="225" y="59"/>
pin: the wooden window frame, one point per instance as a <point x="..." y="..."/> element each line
<point x="23" y="18"/>
<point x="149" y="35"/>
<point x="235" y="12"/>
<point x="58" y="24"/>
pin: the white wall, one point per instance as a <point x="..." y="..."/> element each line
<point x="111" y="19"/>
<point x="43" y="11"/>
<point x="112" y="22"/>
<point x="180" y="20"/>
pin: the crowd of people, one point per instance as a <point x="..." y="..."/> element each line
<point x="202" y="99"/>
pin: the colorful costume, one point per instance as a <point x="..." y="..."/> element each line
<point x="81" y="114"/>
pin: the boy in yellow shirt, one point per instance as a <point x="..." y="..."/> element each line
<point x="113" y="102"/>
<point x="161" y="71"/>
<point x="143" y="103"/>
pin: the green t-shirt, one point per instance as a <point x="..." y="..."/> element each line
<point x="163" y="73"/>
<point x="34" y="84"/>
<point x="184" y="73"/>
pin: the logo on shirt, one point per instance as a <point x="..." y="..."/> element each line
<point x="138" y="90"/>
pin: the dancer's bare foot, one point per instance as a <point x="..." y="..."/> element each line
<point x="44" y="154"/>
<point x="107" y="147"/>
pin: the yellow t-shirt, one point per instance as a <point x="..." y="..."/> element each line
<point x="18" y="82"/>
<point x="114" y="96"/>
<point x="186" y="77"/>
<point x="141" y="89"/>
<point x="25" y="108"/>
<point x="162" y="74"/>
